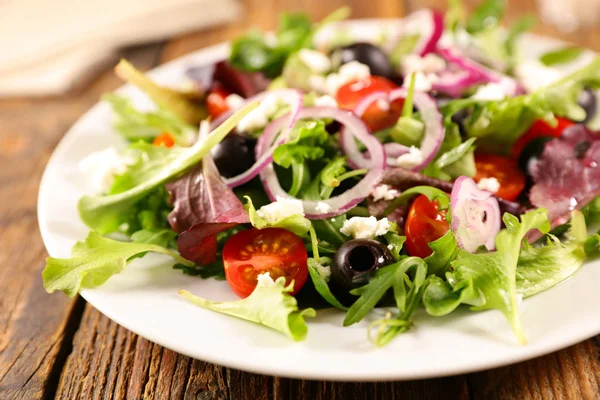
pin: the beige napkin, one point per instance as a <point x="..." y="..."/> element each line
<point x="48" y="46"/>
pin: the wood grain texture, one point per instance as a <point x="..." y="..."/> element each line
<point x="51" y="346"/>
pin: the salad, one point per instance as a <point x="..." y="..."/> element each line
<point x="424" y="165"/>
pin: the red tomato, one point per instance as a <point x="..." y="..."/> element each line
<point x="376" y="118"/>
<point x="540" y="128"/>
<point x="215" y="101"/>
<point x="505" y="170"/>
<point x="164" y="139"/>
<point x="424" y="224"/>
<point x="255" y="251"/>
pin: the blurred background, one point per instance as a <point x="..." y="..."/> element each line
<point x="62" y="45"/>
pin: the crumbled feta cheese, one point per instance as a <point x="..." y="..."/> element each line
<point x="490" y="184"/>
<point x="101" y="168"/>
<point x="324" y="271"/>
<point x="384" y="192"/>
<point x="280" y="209"/>
<point x="490" y="92"/>
<point x="259" y="117"/>
<point x="390" y="247"/>
<point x="535" y="75"/>
<point x="430" y="64"/>
<point x="323" y="207"/>
<point x="234" y="101"/>
<point x="423" y="83"/>
<point x="411" y="159"/>
<point x="326" y="101"/>
<point x="317" y="83"/>
<point x="348" y="72"/>
<point x="315" y="61"/>
<point x="365" y="227"/>
<point x="265" y="280"/>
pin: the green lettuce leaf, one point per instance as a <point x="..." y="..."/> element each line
<point x="592" y="246"/>
<point x="186" y="106"/>
<point x="563" y="55"/>
<point x="591" y="212"/>
<point x="294" y="223"/>
<point x="321" y="284"/>
<point x="487" y="280"/>
<point x="395" y="243"/>
<point x="445" y="251"/>
<point x="306" y="142"/>
<point x="269" y="304"/>
<point x="105" y="213"/>
<point x="166" y="238"/>
<point x="93" y="262"/>
<point x="134" y="125"/>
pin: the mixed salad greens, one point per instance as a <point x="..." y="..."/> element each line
<point x="418" y="164"/>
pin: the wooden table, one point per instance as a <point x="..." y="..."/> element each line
<point x="52" y="346"/>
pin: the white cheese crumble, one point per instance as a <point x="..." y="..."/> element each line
<point x="365" y="227"/>
<point x="490" y="92"/>
<point x="411" y="159"/>
<point x="535" y="75"/>
<point x="423" y="83"/>
<point x="384" y="192"/>
<point x="430" y="64"/>
<point x="490" y="184"/>
<point x="324" y="271"/>
<point x="280" y="209"/>
<point x="265" y="280"/>
<point x="322" y="207"/>
<point x="390" y="247"/>
<point x="383" y="104"/>
<point x="316" y="61"/>
<point x="259" y="117"/>
<point x="326" y="101"/>
<point x="234" y="101"/>
<point x="348" y="72"/>
<point x="101" y="168"/>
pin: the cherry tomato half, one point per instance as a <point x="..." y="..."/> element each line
<point x="216" y="103"/>
<point x="164" y="139"/>
<point x="538" y="129"/>
<point x="424" y="224"/>
<point x="376" y="117"/>
<point x="505" y="170"/>
<point x="256" y="251"/>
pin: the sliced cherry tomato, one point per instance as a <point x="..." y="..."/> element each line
<point x="505" y="170"/>
<point x="164" y="139"/>
<point x="256" y="251"/>
<point x="216" y="103"/>
<point x="538" y="129"/>
<point x="425" y="223"/>
<point x="376" y="117"/>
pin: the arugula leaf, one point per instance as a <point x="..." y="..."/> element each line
<point x="135" y="125"/>
<point x="488" y="280"/>
<point x="105" y="213"/>
<point x="93" y="262"/>
<point x="445" y="251"/>
<point x="294" y="223"/>
<point x="331" y="172"/>
<point x="457" y="161"/>
<point x="269" y="304"/>
<point x="429" y="191"/>
<point x="395" y="243"/>
<point x="563" y="55"/>
<point x="592" y="246"/>
<point x="186" y="106"/>
<point x="306" y="143"/>
<point x="166" y="238"/>
<point x="591" y="212"/>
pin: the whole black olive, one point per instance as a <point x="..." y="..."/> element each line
<point x="368" y="54"/>
<point x="355" y="261"/>
<point x="588" y="101"/>
<point x="234" y="155"/>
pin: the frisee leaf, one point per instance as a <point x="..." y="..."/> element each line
<point x="105" y="213"/>
<point x="93" y="262"/>
<point x="269" y="304"/>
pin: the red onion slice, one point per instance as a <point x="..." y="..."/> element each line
<point x="430" y="27"/>
<point x="480" y="72"/>
<point x="432" y="140"/>
<point x="294" y="99"/>
<point x="339" y="204"/>
<point x="454" y="83"/>
<point x="475" y="215"/>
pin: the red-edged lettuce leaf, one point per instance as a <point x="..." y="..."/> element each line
<point x="567" y="175"/>
<point x="203" y="206"/>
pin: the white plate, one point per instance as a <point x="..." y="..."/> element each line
<point x="144" y="297"/>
